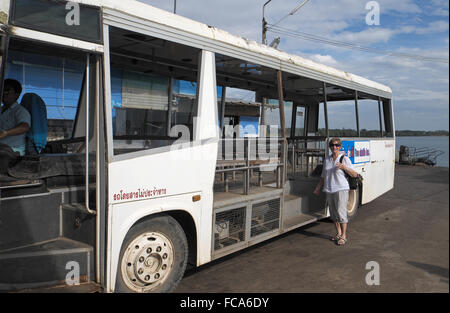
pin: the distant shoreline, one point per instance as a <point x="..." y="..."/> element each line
<point x="421" y="135"/>
<point x="376" y="133"/>
<point x="418" y="133"/>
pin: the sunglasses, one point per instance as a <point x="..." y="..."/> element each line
<point x="334" y="145"/>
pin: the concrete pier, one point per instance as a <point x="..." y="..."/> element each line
<point x="405" y="231"/>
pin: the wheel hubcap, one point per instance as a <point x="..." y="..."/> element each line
<point x="147" y="261"/>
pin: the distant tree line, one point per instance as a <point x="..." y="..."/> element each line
<point x="421" y="133"/>
<point x="376" y="133"/>
<point x="344" y="132"/>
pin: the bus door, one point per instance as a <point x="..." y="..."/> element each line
<point x="52" y="197"/>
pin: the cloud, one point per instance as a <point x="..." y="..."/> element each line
<point x="420" y="89"/>
<point x="432" y="98"/>
<point x="367" y="36"/>
<point x="433" y="27"/>
<point x="440" y="12"/>
<point x="376" y="35"/>
<point x="323" y="59"/>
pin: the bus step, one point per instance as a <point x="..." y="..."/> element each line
<point x="77" y="224"/>
<point x="300" y="220"/>
<point x="89" y="287"/>
<point x="29" y="220"/>
<point x="47" y="263"/>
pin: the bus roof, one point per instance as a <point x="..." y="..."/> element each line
<point x="287" y="62"/>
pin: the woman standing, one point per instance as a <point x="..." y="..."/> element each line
<point x="335" y="185"/>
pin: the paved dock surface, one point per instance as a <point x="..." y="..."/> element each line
<point x="406" y="231"/>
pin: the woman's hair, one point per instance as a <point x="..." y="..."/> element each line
<point x="335" y="140"/>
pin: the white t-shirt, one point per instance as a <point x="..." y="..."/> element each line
<point x="10" y="118"/>
<point x="334" y="178"/>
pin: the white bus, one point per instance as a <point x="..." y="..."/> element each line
<point x="140" y="175"/>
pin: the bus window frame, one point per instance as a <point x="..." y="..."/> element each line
<point x="112" y="156"/>
<point x="4" y="45"/>
<point x="71" y="51"/>
<point x="384" y="109"/>
<point x="385" y="115"/>
<point x="388" y="115"/>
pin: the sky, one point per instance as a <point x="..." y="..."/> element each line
<point x="420" y="28"/>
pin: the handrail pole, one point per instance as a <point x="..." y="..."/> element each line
<point x="98" y="173"/>
<point x="247" y="163"/>
<point x="87" y="137"/>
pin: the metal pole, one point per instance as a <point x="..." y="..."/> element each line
<point x="87" y="137"/>
<point x="357" y="114"/>
<point x="293" y="120"/>
<point x="263" y="118"/>
<point x="169" y="105"/>
<point x="379" y="115"/>
<point x="281" y="104"/>
<point x="293" y="126"/>
<point x="298" y="7"/>
<point x="264" y="25"/>
<point x="222" y="110"/>
<point x="175" y="6"/>
<point x="325" y="108"/>
<point x="283" y="126"/>
<point x="97" y="170"/>
<point x="247" y="164"/>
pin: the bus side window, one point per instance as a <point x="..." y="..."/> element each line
<point x="369" y="117"/>
<point x="153" y="91"/>
<point x="51" y="81"/>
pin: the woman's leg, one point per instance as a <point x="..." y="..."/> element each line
<point x="332" y="199"/>
<point x="338" y="228"/>
<point x="344" y="230"/>
<point x="342" y="213"/>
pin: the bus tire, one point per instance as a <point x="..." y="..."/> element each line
<point x="353" y="202"/>
<point x="153" y="257"/>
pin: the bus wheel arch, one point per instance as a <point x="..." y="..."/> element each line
<point x="187" y="223"/>
<point x="354" y="201"/>
<point x="153" y="256"/>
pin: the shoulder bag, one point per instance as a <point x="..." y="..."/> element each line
<point x="353" y="182"/>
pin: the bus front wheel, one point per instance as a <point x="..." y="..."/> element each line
<point x="153" y="257"/>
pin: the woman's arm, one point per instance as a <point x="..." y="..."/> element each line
<point x="319" y="186"/>
<point x="347" y="169"/>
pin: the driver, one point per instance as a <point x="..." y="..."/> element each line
<point x="15" y="120"/>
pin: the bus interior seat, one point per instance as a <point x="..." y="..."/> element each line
<point x="37" y="135"/>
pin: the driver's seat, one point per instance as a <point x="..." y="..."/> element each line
<point x="37" y="135"/>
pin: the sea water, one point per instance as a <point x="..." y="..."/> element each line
<point x="431" y="142"/>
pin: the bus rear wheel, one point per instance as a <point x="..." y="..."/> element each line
<point x="353" y="203"/>
<point x="153" y="257"/>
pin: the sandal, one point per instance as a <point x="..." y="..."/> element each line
<point x="335" y="238"/>
<point x="341" y="241"/>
